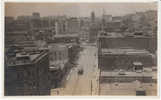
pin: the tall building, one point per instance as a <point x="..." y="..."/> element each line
<point x="107" y="18"/>
<point x="59" y="55"/>
<point x="84" y="34"/>
<point x="9" y="22"/>
<point x="61" y="27"/>
<point x="26" y="73"/>
<point x="73" y="26"/>
<point x="36" y="21"/>
<point x="93" y="17"/>
<point x="93" y="31"/>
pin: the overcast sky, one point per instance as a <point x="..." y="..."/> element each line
<point x="76" y="9"/>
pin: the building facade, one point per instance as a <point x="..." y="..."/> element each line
<point x="118" y="40"/>
<point x="116" y="59"/>
<point x="73" y="25"/>
<point x="26" y="73"/>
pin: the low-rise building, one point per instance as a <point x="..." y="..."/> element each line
<point x="132" y="40"/>
<point x="111" y="59"/>
<point x="125" y="77"/>
<point x="65" y="38"/>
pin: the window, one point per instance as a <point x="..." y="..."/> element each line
<point x="55" y="55"/>
<point x="20" y="75"/>
<point x="60" y="55"/>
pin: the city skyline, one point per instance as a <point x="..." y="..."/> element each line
<point x="80" y="49"/>
<point x="76" y="9"/>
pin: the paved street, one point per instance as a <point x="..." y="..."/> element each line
<point x="85" y="84"/>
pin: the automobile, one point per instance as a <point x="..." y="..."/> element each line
<point x="140" y="92"/>
<point x="122" y="72"/>
<point x="80" y="71"/>
<point x="138" y="71"/>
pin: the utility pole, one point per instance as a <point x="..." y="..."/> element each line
<point x="99" y="82"/>
<point x="91" y="87"/>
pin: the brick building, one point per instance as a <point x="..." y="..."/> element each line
<point x="73" y="25"/>
<point x="118" y="40"/>
<point x="116" y="59"/>
<point x="124" y="59"/>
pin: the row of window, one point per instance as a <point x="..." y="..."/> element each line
<point x="58" y="55"/>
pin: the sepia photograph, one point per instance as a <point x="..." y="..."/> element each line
<point x="80" y="49"/>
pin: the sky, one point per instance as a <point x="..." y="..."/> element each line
<point x="76" y="9"/>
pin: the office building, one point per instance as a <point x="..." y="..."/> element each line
<point x="26" y="73"/>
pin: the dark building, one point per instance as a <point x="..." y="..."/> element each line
<point x="22" y="23"/>
<point x="118" y="40"/>
<point x="125" y="58"/>
<point x="73" y="25"/>
<point x="9" y="22"/>
<point x="93" y="32"/>
<point x="92" y="17"/>
<point x="55" y="76"/>
<point x="67" y="38"/>
<point x="113" y="26"/>
<point x="61" y="25"/>
<point x="26" y="73"/>
<point x="113" y="77"/>
<point x="36" y="21"/>
<point x="116" y="59"/>
<point x="16" y="37"/>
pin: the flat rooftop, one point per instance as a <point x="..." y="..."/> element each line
<point x="124" y="51"/>
<point x="24" y="59"/>
<point x="111" y="34"/>
<point x="127" y="74"/>
<point x="61" y="45"/>
<point x="16" y="33"/>
<point x="120" y="35"/>
<point x="66" y="35"/>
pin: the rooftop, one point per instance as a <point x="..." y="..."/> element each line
<point x="66" y="35"/>
<point x="17" y="33"/>
<point x="58" y="47"/>
<point x="22" y="58"/>
<point x="111" y="34"/>
<point x="127" y="74"/>
<point x="127" y="51"/>
<point x="122" y="35"/>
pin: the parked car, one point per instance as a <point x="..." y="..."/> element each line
<point x="122" y="72"/>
